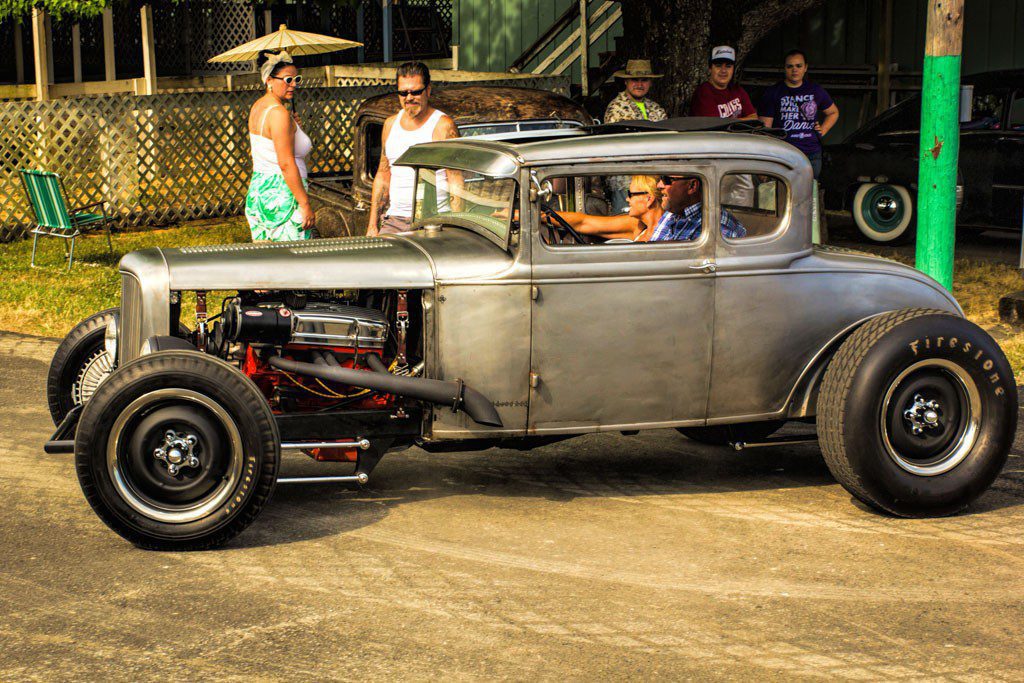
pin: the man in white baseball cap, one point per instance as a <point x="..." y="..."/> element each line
<point x="719" y="96"/>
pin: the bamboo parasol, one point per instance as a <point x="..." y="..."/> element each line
<point x="296" y="42"/>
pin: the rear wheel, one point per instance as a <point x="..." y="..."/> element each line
<point x="177" y="451"/>
<point x="917" y="413"/>
<point x="884" y="213"/>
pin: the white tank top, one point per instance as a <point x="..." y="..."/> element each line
<point x="264" y="156"/>
<point x="403" y="178"/>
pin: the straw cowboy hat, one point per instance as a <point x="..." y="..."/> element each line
<point x="637" y="68"/>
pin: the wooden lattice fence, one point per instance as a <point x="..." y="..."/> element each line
<point x="159" y="159"/>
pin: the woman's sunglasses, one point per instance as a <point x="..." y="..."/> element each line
<point x="636" y="194"/>
<point x="289" y="79"/>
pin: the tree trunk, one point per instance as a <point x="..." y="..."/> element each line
<point x="677" y="36"/>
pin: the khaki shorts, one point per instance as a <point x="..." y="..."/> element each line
<point x="395" y="224"/>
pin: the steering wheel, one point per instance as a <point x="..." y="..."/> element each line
<point x="560" y="223"/>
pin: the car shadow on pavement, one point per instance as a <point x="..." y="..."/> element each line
<point x="654" y="464"/>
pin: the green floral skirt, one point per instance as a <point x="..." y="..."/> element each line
<point x="272" y="211"/>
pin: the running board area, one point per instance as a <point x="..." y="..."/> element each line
<point x="774" y="441"/>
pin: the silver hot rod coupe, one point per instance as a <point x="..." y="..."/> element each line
<point x="499" y="321"/>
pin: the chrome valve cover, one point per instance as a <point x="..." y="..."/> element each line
<point x="325" y="324"/>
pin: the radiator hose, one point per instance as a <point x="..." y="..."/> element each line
<point x="454" y="394"/>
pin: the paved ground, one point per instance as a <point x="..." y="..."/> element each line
<point x="607" y="556"/>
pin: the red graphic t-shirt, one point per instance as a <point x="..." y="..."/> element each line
<point x="731" y="103"/>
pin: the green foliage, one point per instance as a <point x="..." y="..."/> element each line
<point x="58" y="9"/>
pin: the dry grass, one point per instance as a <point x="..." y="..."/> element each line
<point x="49" y="301"/>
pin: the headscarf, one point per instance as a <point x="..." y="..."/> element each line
<point x="272" y="62"/>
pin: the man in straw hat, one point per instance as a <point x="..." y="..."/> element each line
<point x="632" y="104"/>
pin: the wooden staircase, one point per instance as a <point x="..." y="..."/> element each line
<point x="543" y="56"/>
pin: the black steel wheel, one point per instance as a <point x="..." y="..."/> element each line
<point x="723" y="435"/>
<point x="917" y="413"/>
<point x="80" y="363"/>
<point x="178" y="450"/>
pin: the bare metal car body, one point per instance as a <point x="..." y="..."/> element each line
<point x="488" y="328"/>
<point x="587" y="338"/>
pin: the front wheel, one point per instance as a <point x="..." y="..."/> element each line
<point x="80" y="363"/>
<point x="177" y="451"/>
<point x="884" y="213"/>
<point x="917" y="413"/>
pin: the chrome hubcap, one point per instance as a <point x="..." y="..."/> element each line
<point x="886" y="207"/>
<point x="176" y="451"/>
<point x="923" y="415"/>
<point x="96" y="369"/>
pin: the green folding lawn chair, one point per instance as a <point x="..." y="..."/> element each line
<point x="53" y="218"/>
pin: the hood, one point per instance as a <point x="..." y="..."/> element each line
<point x="349" y="262"/>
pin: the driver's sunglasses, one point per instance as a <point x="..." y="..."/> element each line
<point x="669" y="179"/>
<point x="289" y="79"/>
<point x="636" y="194"/>
<point x="412" y="93"/>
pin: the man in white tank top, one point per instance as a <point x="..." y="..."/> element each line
<point x="416" y="122"/>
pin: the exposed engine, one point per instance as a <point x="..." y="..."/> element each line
<point x="312" y="329"/>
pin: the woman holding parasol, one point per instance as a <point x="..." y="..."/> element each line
<point x="277" y="206"/>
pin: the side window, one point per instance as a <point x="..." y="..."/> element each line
<point x="372" y="144"/>
<point x="1017" y="112"/>
<point x="986" y="111"/>
<point x="622" y="209"/>
<point x="753" y="204"/>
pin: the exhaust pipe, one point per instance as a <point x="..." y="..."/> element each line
<point x="454" y="394"/>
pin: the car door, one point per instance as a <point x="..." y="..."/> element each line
<point x="621" y="332"/>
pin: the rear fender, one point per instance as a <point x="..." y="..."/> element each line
<point x="803" y="400"/>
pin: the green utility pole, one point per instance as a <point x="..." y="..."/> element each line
<point x="940" y="140"/>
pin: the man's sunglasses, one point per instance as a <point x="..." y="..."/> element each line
<point x="669" y="179"/>
<point x="289" y="79"/>
<point x="412" y="93"/>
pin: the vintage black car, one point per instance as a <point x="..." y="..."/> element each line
<point x="873" y="173"/>
<point x="342" y="203"/>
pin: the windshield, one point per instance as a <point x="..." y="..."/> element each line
<point x="464" y="198"/>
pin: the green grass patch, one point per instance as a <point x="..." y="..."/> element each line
<point x="48" y="300"/>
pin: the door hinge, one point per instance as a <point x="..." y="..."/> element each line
<point x="534" y="380"/>
<point x="534" y="292"/>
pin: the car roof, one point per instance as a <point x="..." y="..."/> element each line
<point x="468" y="104"/>
<point x="503" y="158"/>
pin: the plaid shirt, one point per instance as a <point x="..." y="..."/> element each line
<point x="687" y="226"/>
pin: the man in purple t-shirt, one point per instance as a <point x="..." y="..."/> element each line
<point x="802" y="108"/>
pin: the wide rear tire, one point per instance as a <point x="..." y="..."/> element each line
<point x="917" y="413"/>
<point x="177" y="450"/>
